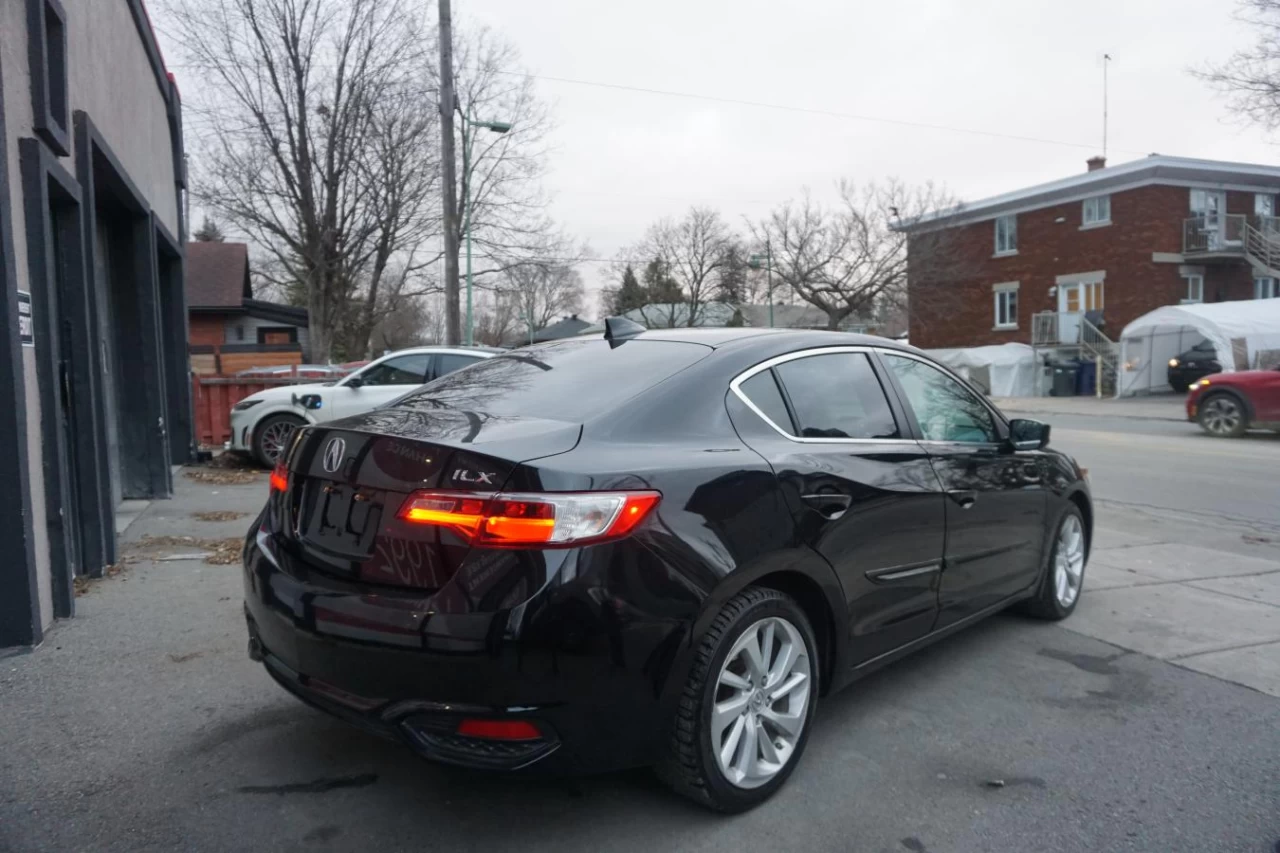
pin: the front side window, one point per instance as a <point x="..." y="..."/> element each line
<point x="403" y="370"/>
<point x="1006" y="235"/>
<point x="945" y="409"/>
<point x="1265" y="288"/>
<point x="1097" y="210"/>
<point x="1006" y="304"/>
<point x="837" y="396"/>
<point x="1195" y="288"/>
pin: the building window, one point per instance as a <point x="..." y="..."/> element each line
<point x="1097" y="210"/>
<point x="239" y="333"/>
<point x="1265" y="288"/>
<point x="1264" y="204"/>
<point x="47" y="55"/>
<point x="1195" y="288"/>
<point x="1006" y="235"/>
<point x="1006" y="305"/>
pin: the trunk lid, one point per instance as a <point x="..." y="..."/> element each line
<point x="350" y="478"/>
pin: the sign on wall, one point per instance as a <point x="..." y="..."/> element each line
<point x="26" y="325"/>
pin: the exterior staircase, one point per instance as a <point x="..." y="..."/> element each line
<point x="1084" y="341"/>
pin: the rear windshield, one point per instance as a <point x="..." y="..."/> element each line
<point x="571" y="380"/>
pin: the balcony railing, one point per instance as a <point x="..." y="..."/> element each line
<point x="1223" y="233"/>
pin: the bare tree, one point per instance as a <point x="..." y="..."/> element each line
<point x="303" y="99"/>
<point x="1251" y="77"/>
<point x="690" y="253"/>
<point x="540" y="293"/>
<point x="506" y="205"/>
<point x="850" y="258"/>
<point x="408" y="325"/>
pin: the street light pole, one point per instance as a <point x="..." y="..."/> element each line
<point x="754" y="263"/>
<point x="468" y="134"/>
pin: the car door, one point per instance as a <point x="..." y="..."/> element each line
<point x="996" y="499"/>
<point x="863" y="492"/>
<point x="380" y="382"/>
<point x="1264" y="394"/>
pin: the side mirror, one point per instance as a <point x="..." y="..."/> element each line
<point x="310" y="401"/>
<point x="354" y="382"/>
<point x="1025" y="434"/>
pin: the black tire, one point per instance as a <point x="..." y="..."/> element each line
<point x="1223" y="415"/>
<point x="690" y="766"/>
<point x="264" y="442"/>
<point x="1047" y="603"/>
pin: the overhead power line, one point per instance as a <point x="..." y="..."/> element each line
<point x="811" y="111"/>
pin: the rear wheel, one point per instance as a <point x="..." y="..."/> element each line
<point x="1064" y="578"/>
<point x="271" y="437"/>
<point x="1222" y="416"/>
<point x="743" y="718"/>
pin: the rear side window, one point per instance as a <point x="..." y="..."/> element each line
<point x="447" y="362"/>
<point x="837" y="396"/>
<point x="762" y="391"/>
<point x="569" y="380"/>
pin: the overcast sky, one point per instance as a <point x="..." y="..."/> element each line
<point x="1016" y="68"/>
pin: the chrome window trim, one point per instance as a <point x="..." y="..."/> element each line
<point x="736" y="383"/>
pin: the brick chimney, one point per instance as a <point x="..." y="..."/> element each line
<point x="1096" y="163"/>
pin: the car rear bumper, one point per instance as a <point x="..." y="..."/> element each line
<point x="590" y="681"/>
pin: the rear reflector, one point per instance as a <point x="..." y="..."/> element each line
<point x="280" y="477"/>
<point x="548" y="519"/>
<point x="500" y="729"/>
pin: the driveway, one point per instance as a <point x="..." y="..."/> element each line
<point x="1142" y="723"/>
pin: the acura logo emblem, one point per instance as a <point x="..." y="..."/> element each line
<point x="334" y="452"/>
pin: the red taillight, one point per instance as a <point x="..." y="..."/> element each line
<point x="549" y="519"/>
<point x="500" y="729"/>
<point x="280" y="477"/>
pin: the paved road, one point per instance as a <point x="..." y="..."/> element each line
<point x="142" y="726"/>
<point x="1175" y="467"/>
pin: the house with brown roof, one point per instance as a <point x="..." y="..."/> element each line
<point x="231" y="331"/>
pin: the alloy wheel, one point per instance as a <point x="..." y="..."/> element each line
<point x="275" y="438"/>
<point x="761" y="702"/>
<point x="1222" y="416"/>
<point x="1068" y="569"/>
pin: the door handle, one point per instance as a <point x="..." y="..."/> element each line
<point x="966" y="498"/>
<point x="830" y="504"/>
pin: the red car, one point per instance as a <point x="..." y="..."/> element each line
<point x="1227" y="404"/>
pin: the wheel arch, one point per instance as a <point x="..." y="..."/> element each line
<point x="1235" y="394"/>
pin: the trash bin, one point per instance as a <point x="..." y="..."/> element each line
<point x="1064" y="375"/>
<point x="1087" y="379"/>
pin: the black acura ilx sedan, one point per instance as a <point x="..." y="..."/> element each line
<point x="652" y="547"/>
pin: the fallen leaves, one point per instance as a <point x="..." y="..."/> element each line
<point x="221" y="552"/>
<point x="223" y="477"/>
<point x="218" y="515"/>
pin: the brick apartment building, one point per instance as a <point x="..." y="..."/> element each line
<point x="1106" y="246"/>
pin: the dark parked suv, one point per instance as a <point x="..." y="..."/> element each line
<point x="1196" y="363"/>
<point x="651" y="548"/>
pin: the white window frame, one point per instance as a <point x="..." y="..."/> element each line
<point x="1258" y="199"/>
<point x="1000" y="299"/>
<point x="1265" y="287"/>
<point x="1010" y="223"/>
<point x="1095" y="211"/>
<point x="1195" y="287"/>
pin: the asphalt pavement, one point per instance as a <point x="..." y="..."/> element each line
<point x="1145" y="722"/>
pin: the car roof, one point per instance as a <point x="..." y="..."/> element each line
<point x="458" y="350"/>
<point x="720" y="337"/>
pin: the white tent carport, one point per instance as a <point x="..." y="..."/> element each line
<point x="1004" y="370"/>
<point x="1237" y="330"/>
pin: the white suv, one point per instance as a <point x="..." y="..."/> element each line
<point x="262" y="423"/>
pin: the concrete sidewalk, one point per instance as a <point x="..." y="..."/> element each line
<point x="1160" y="407"/>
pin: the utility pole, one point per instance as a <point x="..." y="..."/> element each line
<point x="452" y="315"/>
<point x="1106" y="60"/>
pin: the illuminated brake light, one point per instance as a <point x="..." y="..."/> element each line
<point x="500" y="729"/>
<point x="548" y="519"/>
<point x="280" y="477"/>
